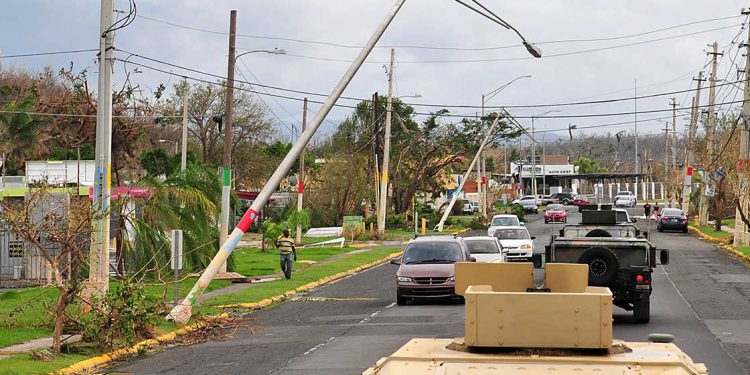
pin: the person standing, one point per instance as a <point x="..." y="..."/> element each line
<point x="287" y="252"/>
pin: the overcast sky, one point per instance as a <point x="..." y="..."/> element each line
<point x="30" y="26"/>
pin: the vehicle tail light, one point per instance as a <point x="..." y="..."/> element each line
<point x="665" y="219"/>
<point x="683" y="219"/>
<point x="639" y="278"/>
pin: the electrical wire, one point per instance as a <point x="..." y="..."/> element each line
<point x="438" y="48"/>
<point x="266" y="104"/>
<point x="32" y="54"/>
<point x="416" y="113"/>
<point x="602" y="101"/>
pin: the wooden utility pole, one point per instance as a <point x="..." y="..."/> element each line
<point x="710" y="131"/>
<point x="386" y="152"/>
<point x="666" y="153"/>
<point x="226" y="175"/>
<point x="674" y="133"/>
<point x="741" y="231"/>
<point x="689" y="157"/>
<point x="301" y="180"/>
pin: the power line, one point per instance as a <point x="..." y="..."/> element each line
<point x="32" y="54"/>
<point x="439" y="48"/>
<point x="302" y="92"/>
<point x="518" y="58"/>
<point x="416" y="113"/>
<point x="266" y="104"/>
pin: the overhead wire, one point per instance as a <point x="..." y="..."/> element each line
<point x="264" y="102"/>
<point x="32" y="54"/>
<point x="439" y="48"/>
<point x="303" y="92"/>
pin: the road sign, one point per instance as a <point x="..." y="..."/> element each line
<point x="710" y="192"/>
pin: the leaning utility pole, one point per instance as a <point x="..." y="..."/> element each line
<point x="301" y="180"/>
<point x="99" y="254"/>
<point x="449" y="208"/>
<point x="183" y="160"/>
<point x="741" y="230"/>
<point x="689" y="157"/>
<point x="710" y="132"/>
<point x="226" y="175"/>
<point x="182" y="312"/>
<point x="386" y="151"/>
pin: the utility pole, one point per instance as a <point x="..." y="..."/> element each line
<point x="301" y="181"/>
<point x="666" y="151"/>
<point x="689" y="157"/>
<point x="226" y="174"/>
<point x="741" y="232"/>
<point x="533" y="160"/>
<point x="635" y="126"/>
<point x="183" y="164"/>
<point x="99" y="254"/>
<point x="386" y="151"/>
<point x="674" y="133"/>
<point x="710" y="131"/>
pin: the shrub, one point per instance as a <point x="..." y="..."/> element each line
<point x="395" y="221"/>
<point x="477" y="223"/>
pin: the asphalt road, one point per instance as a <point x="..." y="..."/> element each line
<point x="701" y="298"/>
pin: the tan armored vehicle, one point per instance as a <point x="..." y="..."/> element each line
<point x="513" y="328"/>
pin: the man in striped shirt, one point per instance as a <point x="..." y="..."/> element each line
<point x="287" y="252"/>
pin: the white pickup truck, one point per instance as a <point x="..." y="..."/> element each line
<point x="625" y="199"/>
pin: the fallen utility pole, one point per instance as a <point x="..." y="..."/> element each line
<point x="182" y="312"/>
<point x="439" y="226"/>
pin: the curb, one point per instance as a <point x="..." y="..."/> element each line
<point x="280" y="297"/>
<point x="722" y="242"/>
<point x="101" y="360"/>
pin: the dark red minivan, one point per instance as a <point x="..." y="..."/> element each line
<point x="427" y="268"/>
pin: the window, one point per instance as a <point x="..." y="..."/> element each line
<point x="482" y="247"/>
<point x="15" y="249"/>
<point x="432" y="252"/>
<point x="505" y="221"/>
<point x="512" y="234"/>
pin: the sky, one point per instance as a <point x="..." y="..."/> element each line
<point x="592" y="50"/>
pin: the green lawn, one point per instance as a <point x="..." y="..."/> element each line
<point x="728" y="222"/>
<point x="24" y="364"/>
<point x="250" y="261"/>
<point x="709" y="230"/>
<point x="744" y="250"/>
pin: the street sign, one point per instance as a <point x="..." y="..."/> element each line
<point x="176" y="252"/>
<point x="710" y="192"/>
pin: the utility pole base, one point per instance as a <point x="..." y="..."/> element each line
<point x="180" y="314"/>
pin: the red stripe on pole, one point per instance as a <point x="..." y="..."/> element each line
<point x="690" y="171"/>
<point x="484" y="180"/>
<point x="301" y="188"/>
<point x="247" y="220"/>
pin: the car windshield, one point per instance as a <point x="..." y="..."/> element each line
<point x="623" y="193"/>
<point x="488" y="246"/>
<point x="432" y="252"/>
<point x="555" y="207"/>
<point x="512" y="234"/>
<point x="505" y="221"/>
<point x="671" y="212"/>
<point x="622" y="216"/>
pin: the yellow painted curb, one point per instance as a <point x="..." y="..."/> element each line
<point x="101" y="360"/>
<point x="723" y="242"/>
<point x="462" y="231"/>
<point x="308" y="286"/>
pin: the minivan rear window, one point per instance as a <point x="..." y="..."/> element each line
<point x="432" y="252"/>
<point x="482" y="247"/>
<point x="512" y="234"/>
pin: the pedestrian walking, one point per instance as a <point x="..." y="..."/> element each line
<point x="656" y="210"/>
<point x="287" y="252"/>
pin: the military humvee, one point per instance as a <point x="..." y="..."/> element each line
<point x="619" y="255"/>
<point x="514" y="327"/>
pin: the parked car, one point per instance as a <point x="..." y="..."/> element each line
<point x="563" y="198"/>
<point x="672" y="219"/>
<point x="625" y="201"/>
<point x="524" y="198"/>
<point x="545" y="199"/>
<point x="530" y="206"/>
<point x="427" y="268"/>
<point x="470" y="208"/>
<point x="517" y="242"/>
<point x="630" y="200"/>
<point x="555" y="213"/>
<point x="581" y="200"/>
<point x="499" y="221"/>
<point x="485" y="248"/>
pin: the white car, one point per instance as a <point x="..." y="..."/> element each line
<point x="499" y="221"/>
<point x="485" y="249"/>
<point x="625" y="201"/>
<point x="525" y="198"/>
<point x="517" y="242"/>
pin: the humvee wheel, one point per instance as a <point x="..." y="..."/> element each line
<point x="642" y="311"/>
<point x="603" y="265"/>
<point x="598" y="233"/>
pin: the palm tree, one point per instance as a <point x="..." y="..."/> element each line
<point x="18" y="133"/>
<point x="189" y="200"/>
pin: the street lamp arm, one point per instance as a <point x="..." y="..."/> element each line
<point x="530" y="47"/>
<point x="274" y="51"/>
<point x="496" y="91"/>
